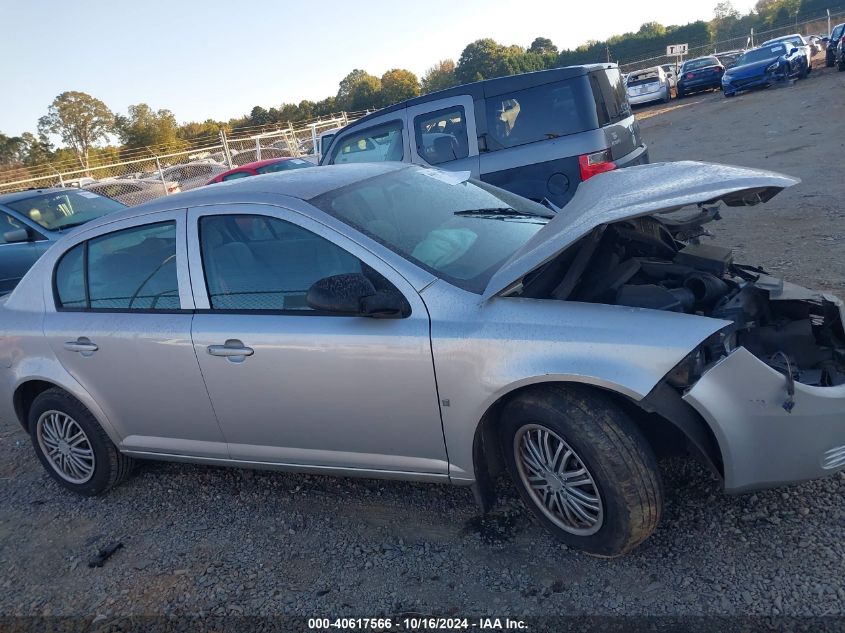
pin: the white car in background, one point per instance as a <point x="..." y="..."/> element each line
<point x="133" y="191"/>
<point x="649" y="84"/>
<point x="194" y="174"/>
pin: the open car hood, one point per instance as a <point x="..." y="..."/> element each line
<point x="630" y="193"/>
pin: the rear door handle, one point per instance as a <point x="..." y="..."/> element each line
<point x="81" y="345"/>
<point x="233" y="349"/>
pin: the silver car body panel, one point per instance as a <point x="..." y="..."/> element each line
<point x="763" y="444"/>
<point x="484" y="351"/>
<point x="620" y="195"/>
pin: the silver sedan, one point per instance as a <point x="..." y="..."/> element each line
<point x="387" y="320"/>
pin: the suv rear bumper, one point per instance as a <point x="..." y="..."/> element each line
<point x="638" y="157"/>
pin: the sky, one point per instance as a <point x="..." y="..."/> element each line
<point x="217" y="59"/>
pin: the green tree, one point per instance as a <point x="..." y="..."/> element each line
<point x="11" y="149"/>
<point x="145" y="127"/>
<point x="482" y="59"/>
<point x="37" y="150"/>
<point x="439" y="77"/>
<point x="543" y="46"/>
<point x="364" y="94"/>
<point x="348" y="85"/>
<point x="397" y="85"/>
<point x="259" y="116"/>
<point x="80" y="120"/>
<point x="206" y="131"/>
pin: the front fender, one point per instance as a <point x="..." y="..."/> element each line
<point x="483" y="352"/>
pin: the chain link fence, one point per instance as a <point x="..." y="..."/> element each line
<point x="145" y="174"/>
<point x="738" y="43"/>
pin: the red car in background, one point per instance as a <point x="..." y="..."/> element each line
<point x="261" y="167"/>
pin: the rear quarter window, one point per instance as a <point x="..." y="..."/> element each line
<point x="537" y="114"/>
<point x="610" y="95"/>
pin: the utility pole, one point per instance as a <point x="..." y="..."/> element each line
<point x="607" y="48"/>
<point x="828" y="21"/>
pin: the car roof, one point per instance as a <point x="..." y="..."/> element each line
<point x="495" y="86"/>
<point x="30" y="193"/>
<point x="695" y="59"/>
<point x="782" y="38"/>
<point x="304" y="184"/>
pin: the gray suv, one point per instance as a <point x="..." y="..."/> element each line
<point x="538" y="134"/>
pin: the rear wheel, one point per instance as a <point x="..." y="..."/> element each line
<point x="841" y="64"/>
<point x="72" y="446"/>
<point x="583" y="468"/>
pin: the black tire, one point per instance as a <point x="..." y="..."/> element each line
<point x="802" y="74"/>
<point x="612" y="449"/>
<point x="110" y="466"/>
<point x="829" y="61"/>
<point x="841" y="65"/>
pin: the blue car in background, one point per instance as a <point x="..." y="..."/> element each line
<point x="761" y="67"/>
<point x="30" y="221"/>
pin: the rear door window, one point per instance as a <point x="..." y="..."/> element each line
<point x="537" y="114"/>
<point x="131" y="269"/>
<point x="442" y="136"/>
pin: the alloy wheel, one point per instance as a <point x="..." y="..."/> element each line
<point x="66" y="446"/>
<point x="558" y="481"/>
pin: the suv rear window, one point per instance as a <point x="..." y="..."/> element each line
<point x="538" y="114"/>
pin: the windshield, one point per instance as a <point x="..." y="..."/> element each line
<point x="761" y="54"/>
<point x="837" y="31"/>
<point x="704" y="62"/>
<point x="460" y="231"/>
<point x="64" y="209"/>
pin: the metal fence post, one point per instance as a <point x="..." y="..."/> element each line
<point x="61" y="180"/>
<point x="258" y="147"/>
<point x="226" y="153"/>
<point x="161" y="175"/>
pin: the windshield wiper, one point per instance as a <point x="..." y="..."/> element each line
<point x="69" y="225"/>
<point x="492" y="211"/>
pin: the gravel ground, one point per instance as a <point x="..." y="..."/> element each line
<point x="201" y="540"/>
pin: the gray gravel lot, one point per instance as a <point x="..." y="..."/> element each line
<point x="200" y="540"/>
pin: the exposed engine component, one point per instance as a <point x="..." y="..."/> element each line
<point x="657" y="263"/>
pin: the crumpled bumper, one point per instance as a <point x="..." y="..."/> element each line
<point x="749" y="83"/>
<point x="763" y="445"/>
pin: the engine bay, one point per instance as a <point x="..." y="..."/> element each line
<point x="660" y="263"/>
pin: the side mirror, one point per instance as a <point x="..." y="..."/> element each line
<point x="17" y="236"/>
<point x="354" y="295"/>
<point x="793" y="51"/>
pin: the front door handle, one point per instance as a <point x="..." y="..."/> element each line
<point x="81" y="345"/>
<point x="233" y="349"/>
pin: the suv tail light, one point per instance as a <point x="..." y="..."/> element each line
<point x="595" y="163"/>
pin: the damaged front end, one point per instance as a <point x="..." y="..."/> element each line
<point x="764" y="397"/>
<point x="770" y="384"/>
<point x="661" y="264"/>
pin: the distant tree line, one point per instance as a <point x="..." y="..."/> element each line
<point x="85" y="124"/>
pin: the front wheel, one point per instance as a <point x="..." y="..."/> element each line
<point x="583" y="468"/>
<point x="841" y="64"/>
<point x="72" y="446"/>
